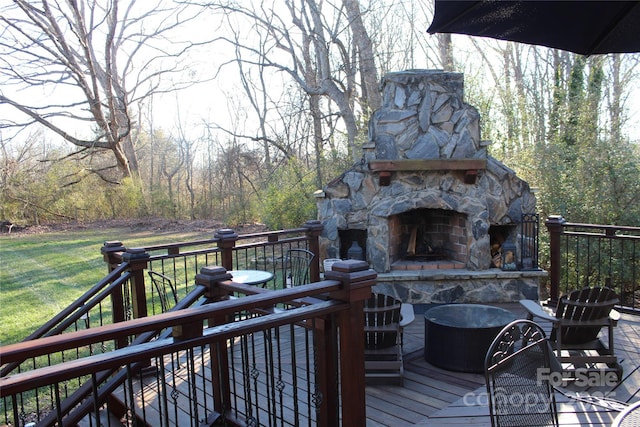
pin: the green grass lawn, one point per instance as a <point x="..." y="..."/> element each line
<point x="40" y="274"/>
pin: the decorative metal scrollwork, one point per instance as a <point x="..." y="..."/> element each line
<point x="317" y="397"/>
<point x="254" y="373"/>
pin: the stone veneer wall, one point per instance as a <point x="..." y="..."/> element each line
<point x="461" y="286"/>
<point x="424" y="117"/>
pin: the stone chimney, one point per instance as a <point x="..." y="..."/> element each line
<point x="426" y="195"/>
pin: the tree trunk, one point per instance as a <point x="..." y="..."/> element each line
<point x="446" y="51"/>
<point x="616" y="96"/>
<point x="371" y="90"/>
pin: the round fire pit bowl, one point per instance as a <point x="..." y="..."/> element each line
<point x="457" y="336"/>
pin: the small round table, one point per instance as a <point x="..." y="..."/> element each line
<point x="251" y="277"/>
<point x="630" y="417"/>
<point x="457" y="336"/>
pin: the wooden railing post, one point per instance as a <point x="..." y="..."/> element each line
<point x="209" y="277"/>
<point x="314" y="229"/>
<point x="137" y="259"/>
<point x="555" y="225"/>
<point x="227" y="239"/>
<point x="357" y="280"/>
<point x="109" y="251"/>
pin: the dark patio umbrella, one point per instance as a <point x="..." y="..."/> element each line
<point x="585" y="27"/>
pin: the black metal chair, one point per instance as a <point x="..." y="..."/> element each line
<point x="517" y="371"/>
<point x="166" y="290"/>
<point x="296" y="266"/>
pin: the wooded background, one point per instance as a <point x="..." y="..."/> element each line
<point x="238" y="111"/>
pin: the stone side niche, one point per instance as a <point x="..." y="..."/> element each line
<point x="426" y="171"/>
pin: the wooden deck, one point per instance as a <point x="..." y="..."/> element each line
<point x="434" y="397"/>
<point x="431" y="396"/>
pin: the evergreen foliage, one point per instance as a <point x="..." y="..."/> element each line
<point x="288" y="201"/>
<point x="584" y="168"/>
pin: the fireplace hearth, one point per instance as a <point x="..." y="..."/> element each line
<point x="429" y="204"/>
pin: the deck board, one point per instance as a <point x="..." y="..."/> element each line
<point x="468" y="410"/>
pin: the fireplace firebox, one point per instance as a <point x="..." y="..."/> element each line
<point x="428" y="235"/>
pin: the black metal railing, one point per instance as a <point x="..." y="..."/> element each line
<point x="240" y="360"/>
<point x="587" y="255"/>
<point x="262" y="251"/>
<point x="126" y="294"/>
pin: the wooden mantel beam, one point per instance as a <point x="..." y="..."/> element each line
<point x="427" y="165"/>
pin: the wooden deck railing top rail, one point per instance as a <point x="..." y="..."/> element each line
<point x="608" y="229"/>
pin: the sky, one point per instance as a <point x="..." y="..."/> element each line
<point x="215" y="100"/>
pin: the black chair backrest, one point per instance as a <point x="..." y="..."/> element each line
<point x="166" y="290"/>
<point x="381" y="321"/>
<point x="296" y="266"/>
<point x="517" y="372"/>
<point x="584" y="305"/>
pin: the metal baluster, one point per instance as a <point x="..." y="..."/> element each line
<point x="255" y="374"/>
<point x="193" y="390"/>
<point x="294" y="373"/>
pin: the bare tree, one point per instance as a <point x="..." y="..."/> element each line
<point x="15" y="162"/>
<point x="365" y="54"/>
<point x="623" y="70"/>
<point x="80" y="68"/>
<point x="170" y="166"/>
<point x="323" y="47"/>
<point x="397" y="30"/>
<point x="188" y="148"/>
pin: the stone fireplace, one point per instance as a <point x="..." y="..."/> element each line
<point x="427" y="206"/>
